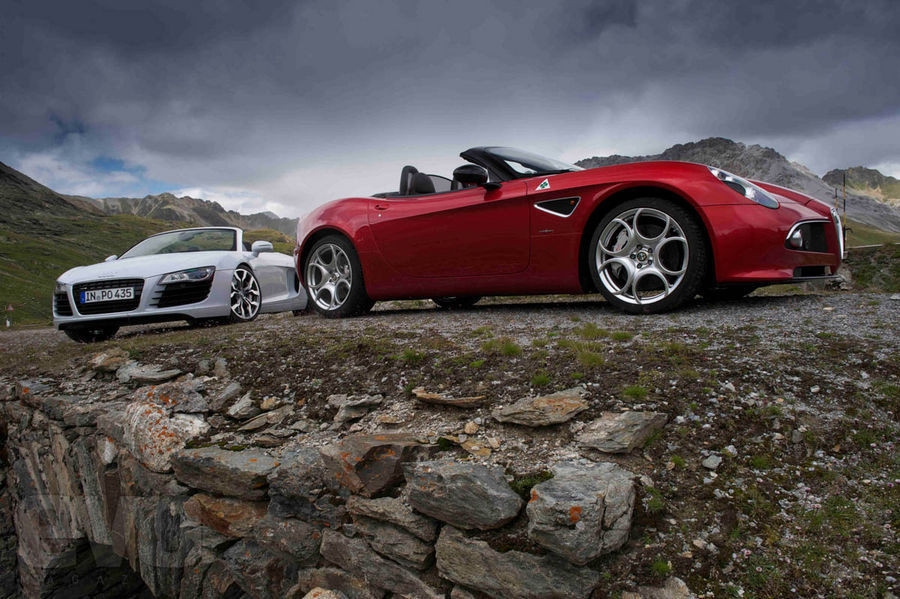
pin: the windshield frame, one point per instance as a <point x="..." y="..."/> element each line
<point x="234" y="242"/>
<point x="498" y="161"/>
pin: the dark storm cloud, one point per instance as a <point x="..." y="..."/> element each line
<point x="296" y="101"/>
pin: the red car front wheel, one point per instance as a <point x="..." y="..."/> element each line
<point x="334" y="279"/>
<point x="648" y="255"/>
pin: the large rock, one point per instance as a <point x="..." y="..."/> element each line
<point x="239" y="474"/>
<point x="288" y="535"/>
<point x="320" y="593"/>
<point x="370" y="464"/>
<point x="550" y="409"/>
<point x="145" y="374"/>
<point x="395" y="543"/>
<point x="621" y="432"/>
<point x="243" y="408"/>
<point x="446" y="400"/>
<point x="393" y="510"/>
<point x="355" y="556"/>
<point x="464" y="494"/>
<point x="267" y="419"/>
<point x="152" y="436"/>
<point x="177" y="397"/>
<point x="352" y="407"/>
<point x="261" y="573"/>
<point x="582" y="512"/>
<point x="227" y="516"/>
<point x="300" y="487"/>
<point x="109" y="360"/>
<point x="511" y="575"/>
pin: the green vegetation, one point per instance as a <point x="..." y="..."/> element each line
<point x="622" y="336"/>
<point x="635" y="392"/>
<point x="875" y="268"/>
<point x="678" y="461"/>
<point x="502" y="345"/>
<point x="591" y="331"/>
<point x="540" y="379"/>
<point x="523" y="484"/>
<point x="590" y="359"/>
<point x="861" y="234"/>
<point x="411" y="356"/>
<point x="660" y="568"/>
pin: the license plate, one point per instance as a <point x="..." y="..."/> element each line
<point x="107" y="295"/>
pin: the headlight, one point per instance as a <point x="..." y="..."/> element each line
<point x="193" y="275"/>
<point x="745" y="188"/>
<point x="61" y="288"/>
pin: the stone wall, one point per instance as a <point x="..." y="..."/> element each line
<point x="114" y="496"/>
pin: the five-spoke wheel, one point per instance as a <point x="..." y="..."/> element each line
<point x="245" y="296"/>
<point x="648" y="255"/>
<point x="333" y="278"/>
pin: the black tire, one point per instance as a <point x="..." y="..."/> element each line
<point x="456" y="303"/>
<point x="679" y="246"/>
<point x="729" y="292"/>
<point x="92" y="334"/>
<point x="339" y="292"/>
<point x="245" y="300"/>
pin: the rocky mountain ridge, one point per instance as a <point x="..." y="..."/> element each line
<point x="867" y="181"/>
<point x="765" y="164"/>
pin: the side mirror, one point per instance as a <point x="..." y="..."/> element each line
<point x="259" y="247"/>
<point x="112" y="258"/>
<point x="471" y="174"/>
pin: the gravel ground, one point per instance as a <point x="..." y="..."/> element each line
<point x="799" y="395"/>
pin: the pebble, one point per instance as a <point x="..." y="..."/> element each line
<point x="712" y="462"/>
<point x="471" y="428"/>
<point x="815" y="389"/>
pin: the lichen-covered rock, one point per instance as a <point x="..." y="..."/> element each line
<point x="177" y="397"/>
<point x="241" y="474"/>
<point x="225" y="515"/>
<point x="393" y="510"/>
<point x="244" y="408"/>
<point x="109" y="360"/>
<point x="583" y="511"/>
<point x="369" y="464"/>
<point x="511" y="575"/>
<point x="261" y="573"/>
<point x="267" y="419"/>
<point x="674" y="588"/>
<point x="355" y="556"/>
<point x="394" y="542"/>
<point x="621" y="432"/>
<point x="152" y="436"/>
<point x="464" y="494"/>
<point x="145" y="374"/>
<point x="555" y="408"/>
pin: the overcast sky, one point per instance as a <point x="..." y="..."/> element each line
<point x="284" y="105"/>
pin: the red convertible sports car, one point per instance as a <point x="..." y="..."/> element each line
<point x="649" y="236"/>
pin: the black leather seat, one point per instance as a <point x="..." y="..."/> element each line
<point x="421" y="184"/>
<point x="406" y="176"/>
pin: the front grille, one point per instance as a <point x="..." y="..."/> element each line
<point x="112" y="306"/>
<point x="813" y="237"/>
<point x="179" y="294"/>
<point x="61" y="304"/>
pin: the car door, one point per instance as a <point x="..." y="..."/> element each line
<point x="270" y="271"/>
<point x="468" y="232"/>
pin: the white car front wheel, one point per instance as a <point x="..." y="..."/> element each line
<point x="245" y="296"/>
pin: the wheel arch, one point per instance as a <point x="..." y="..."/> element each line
<point x="605" y="204"/>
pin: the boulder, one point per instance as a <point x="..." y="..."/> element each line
<point x="352" y="407"/>
<point x="240" y="474"/>
<point x="109" y="360"/>
<point x="369" y="464"/>
<point x="227" y="516"/>
<point x="267" y="419"/>
<point x="621" y="432"/>
<point x="555" y="408"/>
<point x="393" y="510"/>
<point x="355" y="556"/>
<point x="291" y="536"/>
<point x="145" y="374"/>
<point x="232" y="390"/>
<point x="300" y="487"/>
<point x="511" y="575"/>
<point x="395" y="543"/>
<point x="464" y="494"/>
<point x="582" y="512"/>
<point x="177" y="397"/>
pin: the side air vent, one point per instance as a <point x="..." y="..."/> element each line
<point x="560" y="207"/>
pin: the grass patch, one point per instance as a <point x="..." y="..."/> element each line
<point x="660" y="568"/>
<point x="591" y="331"/>
<point x="411" y="356"/>
<point x="540" y="379"/>
<point x="635" y="392"/>
<point x="476" y="363"/>
<point x="678" y="461"/>
<point x="590" y="359"/>
<point x="622" y="336"/>
<point x="502" y="345"/>
<point x="760" y="462"/>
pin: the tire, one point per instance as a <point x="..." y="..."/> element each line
<point x="456" y="303"/>
<point x="648" y="255"/>
<point x="91" y="334"/>
<point x="245" y="299"/>
<point x="730" y="292"/>
<point x="334" y="280"/>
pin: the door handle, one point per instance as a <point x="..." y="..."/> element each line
<point x="382" y="206"/>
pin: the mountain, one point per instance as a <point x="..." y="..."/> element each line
<point x="867" y="181"/>
<point x="41" y="200"/>
<point x="765" y="164"/>
<point x="193" y="211"/>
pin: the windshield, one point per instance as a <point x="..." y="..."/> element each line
<point x="526" y="163"/>
<point x="199" y="240"/>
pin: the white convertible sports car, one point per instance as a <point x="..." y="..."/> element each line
<point x="188" y="274"/>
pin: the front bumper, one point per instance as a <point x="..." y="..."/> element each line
<point x="153" y="305"/>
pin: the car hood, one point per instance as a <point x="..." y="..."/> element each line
<point x="142" y="267"/>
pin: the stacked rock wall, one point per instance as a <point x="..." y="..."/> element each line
<point x="111" y="496"/>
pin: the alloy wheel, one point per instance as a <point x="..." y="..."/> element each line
<point x="329" y="276"/>
<point x="642" y="256"/>
<point x="245" y="296"/>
